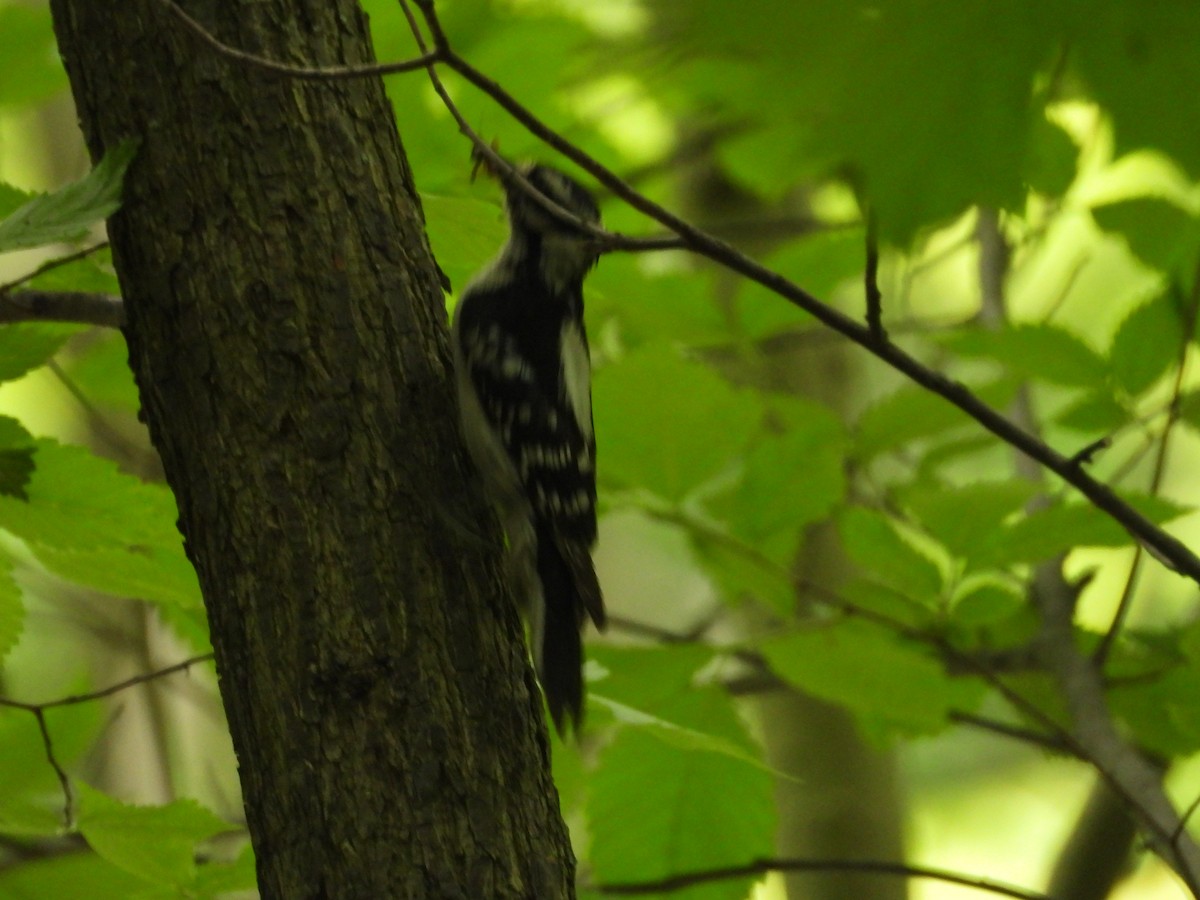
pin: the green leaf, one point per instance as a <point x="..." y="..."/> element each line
<point x="744" y="572"/>
<point x="1053" y="157"/>
<point x="102" y="373"/>
<point x="216" y="878"/>
<point x="1040" y="351"/>
<point x="873" y="543"/>
<point x="156" y="843"/>
<point x="63" y="875"/>
<point x="1147" y="343"/>
<point x="32" y="71"/>
<point x="667" y="425"/>
<point x="790" y="479"/>
<point x="965" y="517"/>
<point x="91" y="274"/>
<point x="27" y="345"/>
<point x="1097" y="411"/>
<point x="652" y="307"/>
<point x="886" y="682"/>
<point x="1056" y="529"/>
<point x="91" y="523"/>
<point x="1140" y="61"/>
<point x="986" y="602"/>
<point x="655" y="810"/>
<point x="1158" y="232"/>
<point x="1164" y="714"/>
<point x="465" y="234"/>
<point x="912" y="413"/>
<point x="16" y="458"/>
<point x="66" y="214"/>
<point x="12" y="609"/>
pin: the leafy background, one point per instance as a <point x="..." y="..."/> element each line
<point x="782" y="516"/>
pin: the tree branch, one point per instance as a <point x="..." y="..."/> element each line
<point x="76" y="307"/>
<point x="760" y="867"/>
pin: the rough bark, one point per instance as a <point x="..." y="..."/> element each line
<point x="288" y="337"/>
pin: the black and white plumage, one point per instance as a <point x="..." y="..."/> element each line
<point x="524" y="385"/>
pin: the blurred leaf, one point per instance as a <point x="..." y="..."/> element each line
<point x="1095" y="412"/>
<point x="101" y="372"/>
<point x="1053" y="157"/>
<point x="1042" y="351"/>
<point x="91" y="274"/>
<point x="668" y="425"/>
<point x="1158" y="232"/>
<point x="63" y="876"/>
<point x="986" y="603"/>
<point x="465" y="234"/>
<point x="157" y="843"/>
<point x="885" y="681"/>
<point x="651" y="308"/>
<point x="27" y="345"/>
<point x="31" y="798"/>
<point x="1147" y="343"/>
<point x="1140" y="62"/>
<point x="32" y="71"/>
<point x="240" y="874"/>
<point x="912" y="413"/>
<point x="742" y="572"/>
<point x="1163" y="714"/>
<point x="66" y="214"/>
<point x="1064" y="526"/>
<point x="656" y="810"/>
<point x="16" y="458"/>
<point x="12" y="608"/>
<point x="790" y="479"/>
<point x="873" y="544"/>
<point x="965" y="517"/>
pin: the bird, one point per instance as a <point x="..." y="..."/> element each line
<point x="523" y="373"/>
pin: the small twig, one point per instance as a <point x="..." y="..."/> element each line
<point x="1025" y="735"/>
<point x="51" y="264"/>
<point x="760" y="867"/>
<point x="1100" y="655"/>
<point x="1087" y="454"/>
<point x="38" y="710"/>
<point x="871" y="279"/>
<point x="316" y="73"/>
<point x="75" y="307"/>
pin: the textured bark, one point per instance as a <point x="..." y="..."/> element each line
<point x="288" y="337"/>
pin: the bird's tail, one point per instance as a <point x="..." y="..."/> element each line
<point x="570" y="591"/>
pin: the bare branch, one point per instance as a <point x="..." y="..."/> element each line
<point x="760" y="867"/>
<point x="76" y="307"/>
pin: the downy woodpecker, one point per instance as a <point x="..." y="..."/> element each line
<point x="524" y="387"/>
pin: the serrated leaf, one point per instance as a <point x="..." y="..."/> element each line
<point x="1039" y="351"/>
<point x="873" y="544"/>
<point x="913" y="413"/>
<point x="27" y="345"/>
<point x="667" y="425"/>
<point x="879" y="678"/>
<point x="156" y="843"/>
<point x="66" y="214"/>
<point x="655" y="810"/>
<point x="90" y="522"/>
<point x="1159" y="233"/>
<point x="1147" y="343"/>
<point x="91" y="274"/>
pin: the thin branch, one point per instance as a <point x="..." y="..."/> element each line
<point x="1016" y="732"/>
<point x="1171" y="551"/>
<point x="38" y="710"/>
<point x="1160" y="467"/>
<point x="314" y="73"/>
<point x="760" y="867"/>
<point x="49" y="264"/>
<point x="871" y="281"/>
<point x="76" y="307"/>
<point x="74" y="699"/>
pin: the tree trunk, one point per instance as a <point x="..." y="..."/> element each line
<point x="288" y="337"/>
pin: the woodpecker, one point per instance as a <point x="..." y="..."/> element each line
<point x="524" y="383"/>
